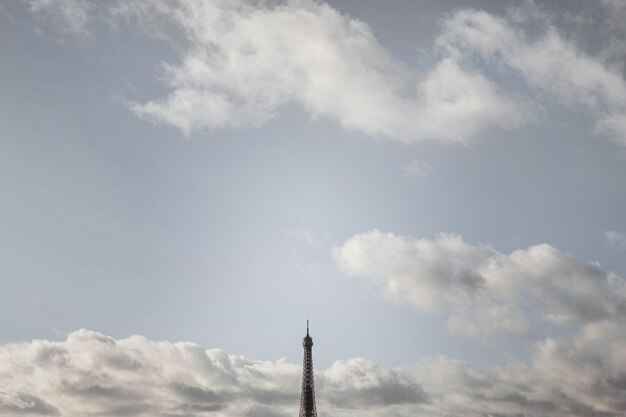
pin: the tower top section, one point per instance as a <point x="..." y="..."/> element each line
<point x="307" y="399"/>
<point x="307" y="341"/>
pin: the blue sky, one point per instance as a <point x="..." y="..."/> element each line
<point x="437" y="186"/>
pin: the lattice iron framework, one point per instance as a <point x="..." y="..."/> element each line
<point x="307" y="398"/>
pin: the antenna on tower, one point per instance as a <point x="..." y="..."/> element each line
<point x="307" y="327"/>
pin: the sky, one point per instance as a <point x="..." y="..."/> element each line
<point x="438" y="186"/>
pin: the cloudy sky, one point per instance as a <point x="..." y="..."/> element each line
<point x="437" y="185"/>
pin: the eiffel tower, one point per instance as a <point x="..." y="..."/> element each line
<point x="307" y="398"/>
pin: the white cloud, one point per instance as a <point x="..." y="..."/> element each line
<point x="481" y="290"/>
<point x="91" y="374"/>
<point x="244" y="61"/>
<point x="616" y="240"/>
<point x="582" y="376"/>
<point x="545" y="60"/>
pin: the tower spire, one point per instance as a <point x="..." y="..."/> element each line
<point x="307" y="398"/>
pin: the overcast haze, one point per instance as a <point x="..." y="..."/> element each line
<point x="437" y="185"/>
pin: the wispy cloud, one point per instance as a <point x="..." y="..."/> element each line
<point x="616" y="240"/>
<point x="304" y="237"/>
<point x="544" y="59"/>
<point x="417" y="169"/>
<point x="68" y="18"/>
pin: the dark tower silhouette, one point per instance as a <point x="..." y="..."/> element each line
<point x="307" y="398"/>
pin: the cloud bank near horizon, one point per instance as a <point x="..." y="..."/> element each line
<point x="91" y="374"/>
